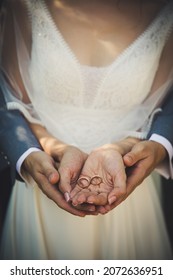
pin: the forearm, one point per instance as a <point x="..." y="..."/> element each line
<point x="49" y="143"/>
<point x="123" y="146"/>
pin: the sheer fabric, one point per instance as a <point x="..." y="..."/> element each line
<point x="50" y="86"/>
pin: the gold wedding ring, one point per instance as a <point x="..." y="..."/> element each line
<point x="83" y="181"/>
<point x="96" y="180"/>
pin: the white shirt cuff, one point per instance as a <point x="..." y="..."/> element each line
<point x="165" y="168"/>
<point x="23" y="157"/>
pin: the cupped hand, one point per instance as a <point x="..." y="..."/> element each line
<point x="42" y="168"/>
<point x="71" y="161"/>
<point x="143" y="158"/>
<point x="141" y="161"/>
<point x="105" y="164"/>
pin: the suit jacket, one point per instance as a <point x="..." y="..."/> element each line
<point x="15" y="138"/>
<point x="163" y="122"/>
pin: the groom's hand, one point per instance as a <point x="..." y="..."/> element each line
<point x="42" y="169"/>
<point x="140" y="162"/>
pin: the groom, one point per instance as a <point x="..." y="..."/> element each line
<point x="17" y="140"/>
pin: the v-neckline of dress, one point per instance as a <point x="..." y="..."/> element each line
<point x="120" y="56"/>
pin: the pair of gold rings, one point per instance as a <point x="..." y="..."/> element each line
<point x="85" y="181"/>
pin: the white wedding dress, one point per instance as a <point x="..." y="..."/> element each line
<point x="88" y="107"/>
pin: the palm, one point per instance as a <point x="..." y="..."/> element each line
<point x="106" y="164"/>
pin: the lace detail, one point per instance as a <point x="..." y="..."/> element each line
<point x="60" y="69"/>
<point x="91" y="78"/>
<point x="90" y="106"/>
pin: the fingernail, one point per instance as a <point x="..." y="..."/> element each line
<point x="90" y="202"/>
<point x="67" y="196"/>
<point x="129" y="158"/>
<point x="91" y="209"/>
<point x="112" y="199"/>
<point x="75" y="204"/>
<point x="53" y="178"/>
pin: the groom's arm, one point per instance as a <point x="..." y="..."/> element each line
<point x="162" y="132"/>
<point x="15" y="137"/>
<point x="163" y="123"/>
<point x="156" y="152"/>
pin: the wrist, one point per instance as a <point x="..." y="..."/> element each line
<point x="123" y="146"/>
<point x="54" y="147"/>
<point x="48" y="142"/>
<point x="29" y="161"/>
<point x="160" y="150"/>
<point x="127" y="144"/>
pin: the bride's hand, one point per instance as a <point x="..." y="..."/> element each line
<point x="103" y="178"/>
<point x="69" y="162"/>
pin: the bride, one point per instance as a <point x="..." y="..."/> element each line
<point x="89" y="73"/>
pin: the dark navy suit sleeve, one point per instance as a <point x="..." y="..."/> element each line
<point x="163" y="122"/>
<point x="16" y="136"/>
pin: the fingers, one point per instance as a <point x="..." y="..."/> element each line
<point x="42" y="169"/>
<point x="88" y="208"/>
<point x="65" y="182"/>
<point x="53" y="193"/>
<point x="119" y="189"/>
<point x="139" y="151"/>
<point x="80" y="197"/>
<point x="75" y="191"/>
<point x="40" y="163"/>
<point x="51" y="173"/>
<point x="133" y="156"/>
<point x="98" y="199"/>
<point x="86" y="195"/>
<point x="137" y="174"/>
<point x="69" y="169"/>
<point x="103" y="209"/>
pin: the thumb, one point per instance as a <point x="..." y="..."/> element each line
<point x="119" y="189"/>
<point x="65" y="183"/>
<point x="133" y="156"/>
<point x="51" y="173"/>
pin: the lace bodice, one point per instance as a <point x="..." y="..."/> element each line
<point x="78" y="103"/>
<point x="136" y="61"/>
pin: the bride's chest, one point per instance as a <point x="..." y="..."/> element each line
<point x="57" y="73"/>
<point x="56" y="64"/>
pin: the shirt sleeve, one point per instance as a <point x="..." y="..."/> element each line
<point x="165" y="168"/>
<point x="23" y="157"/>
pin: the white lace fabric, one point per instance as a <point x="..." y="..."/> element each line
<point x="93" y="105"/>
